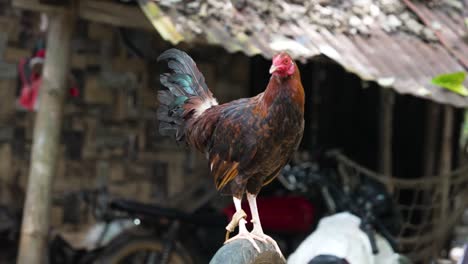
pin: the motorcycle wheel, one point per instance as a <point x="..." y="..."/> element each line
<point x="133" y="248"/>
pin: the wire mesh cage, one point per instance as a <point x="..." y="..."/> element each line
<point x="429" y="207"/>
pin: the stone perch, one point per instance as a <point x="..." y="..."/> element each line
<point x="243" y="252"/>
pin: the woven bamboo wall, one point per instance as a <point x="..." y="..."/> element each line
<point x="109" y="132"/>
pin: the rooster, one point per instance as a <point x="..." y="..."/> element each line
<point x="247" y="141"/>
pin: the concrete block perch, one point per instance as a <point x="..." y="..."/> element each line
<point x="243" y="252"/>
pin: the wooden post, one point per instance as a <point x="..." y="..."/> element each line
<point x="431" y="130"/>
<point x="387" y="100"/>
<point x="47" y="128"/>
<point x="432" y="124"/>
<point x="444" y="170"/>
<point x="446" y="158"/>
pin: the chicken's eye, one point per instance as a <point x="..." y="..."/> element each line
<point x="285" y="61"/>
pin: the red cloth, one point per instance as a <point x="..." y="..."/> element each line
<point x="29" y="94"/>
<point x="29" y="89"/>
<point x="40" y="53"/>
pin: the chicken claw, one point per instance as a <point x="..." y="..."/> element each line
<point x="244" y="235"/>
<point x="266" y="239"/>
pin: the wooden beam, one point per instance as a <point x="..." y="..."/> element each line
<point x="13" y="55"/>
<point x="162" y="23"/>
<point x="45" y="149"/>
<point x="387" y="99"/>
<point x="114" y="14"/>
<point x="431" y="127"/>
<point x="35" y="5"/>
<point x="98" y="11"/>
<point x="446" y="158"/>
<point x="431" y="132"/>
<point x="445" y="167"/>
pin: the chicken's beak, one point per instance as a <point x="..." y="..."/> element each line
<point x="273" y="68"/>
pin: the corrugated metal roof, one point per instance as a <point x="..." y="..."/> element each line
<point x="398" y="60"/>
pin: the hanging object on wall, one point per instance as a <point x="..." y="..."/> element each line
<point x="30" y="73"/>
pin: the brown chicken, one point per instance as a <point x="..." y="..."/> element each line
<point x="247" y="141"/>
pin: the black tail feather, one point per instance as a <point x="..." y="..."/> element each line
<point x="182" y="66"/>
<point x="185" y="84"/>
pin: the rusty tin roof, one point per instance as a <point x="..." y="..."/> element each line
<point x="401" y="59"/>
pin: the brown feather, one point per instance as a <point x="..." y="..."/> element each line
<point x="250" y="140"/>
<point x="247" y="141"/>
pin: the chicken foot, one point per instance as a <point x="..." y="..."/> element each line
<point x="243" y="232"/>
<point x="257" y="230"/>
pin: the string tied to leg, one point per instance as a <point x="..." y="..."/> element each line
<point x="236" y="218"/>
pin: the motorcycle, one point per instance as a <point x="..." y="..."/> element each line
<point x="129" y="231"/>
<point x="85" y="244"/>
<point x="169" y="235"/>
<point x="358" y="231"/>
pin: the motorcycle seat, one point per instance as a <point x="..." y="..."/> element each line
<point x="154" y="211"/>
<point x="149" y="210"/>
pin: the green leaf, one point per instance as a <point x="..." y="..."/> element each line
<point x="452" y="82"/>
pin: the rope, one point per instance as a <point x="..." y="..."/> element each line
<point x="235" y="222"/>
<point x="419" y="202"/>
<point x="428" y="180"/>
